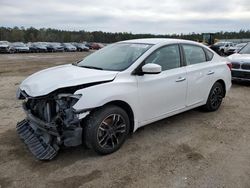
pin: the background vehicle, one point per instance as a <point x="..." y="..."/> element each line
<point x="81" y="47"/>
<point x="19" y="47"/>
<point x="241" y="64"/>
<point x="236" y="48"/>
<point x="55" y="47"/>
<point x="68" y="47"/>
<point x="222" y="47"/>
<point x="96" y="46"/>
<point x="99" y="100"/>
<point x="38" y="47"/>
<point x="88" y="44"/>
<point x="4" y="47"/>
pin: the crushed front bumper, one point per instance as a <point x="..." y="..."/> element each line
<point x="41" y="149"/>
<point x="44" y="139"/>
<point x="51" y="123"/>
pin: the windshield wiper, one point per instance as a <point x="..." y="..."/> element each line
<point x="76" y="63"/>
<point x="91" y="67"/>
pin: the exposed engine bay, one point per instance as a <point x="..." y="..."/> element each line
<point x="51" y="122"/>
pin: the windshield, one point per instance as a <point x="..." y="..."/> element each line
<point x="241" y="45"/>
<point x="4" y="43"/>
<point x="246" y="49"/>
<point x="115" y="57"/>
<point x="56" y="44"/>
<point x="18" y="44"/>
<point x="68" y="45"/>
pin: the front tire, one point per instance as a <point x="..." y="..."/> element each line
<point x="215" y="98"/>
<point x="106" y="129"/>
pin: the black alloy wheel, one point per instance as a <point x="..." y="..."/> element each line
<point x="215" y="98"/>
<point x="106" y="129"/>
<point x="111" y="131"/>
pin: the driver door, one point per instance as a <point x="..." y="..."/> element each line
<point x="163" y="93"/>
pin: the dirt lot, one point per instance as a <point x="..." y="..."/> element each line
<point x="193" y="149"/>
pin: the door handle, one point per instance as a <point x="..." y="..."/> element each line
<point x="180" y="79"/>
<point x="210" y="72"/>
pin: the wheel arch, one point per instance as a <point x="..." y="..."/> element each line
<point x="223" y="85"/>
<point x="125" y="106"/>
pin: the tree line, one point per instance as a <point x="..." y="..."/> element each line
<point x="54" y="35"/>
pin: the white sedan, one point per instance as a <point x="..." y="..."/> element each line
<point x="241" y="64"/>
<point x="114" y="91"/>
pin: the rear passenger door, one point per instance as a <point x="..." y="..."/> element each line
<point x="199" y="71"/>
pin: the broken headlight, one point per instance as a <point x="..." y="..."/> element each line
<point x="20" y="94"/>
<point x="69" y="99"/>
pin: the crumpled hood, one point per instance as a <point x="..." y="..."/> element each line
<point x="49" y="80"/>
<point x="240" y="58"/>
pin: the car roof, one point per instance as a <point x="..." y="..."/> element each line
<point x="158" y="41"/>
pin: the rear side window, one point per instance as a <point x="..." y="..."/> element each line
<point x="210" y="54"/>
<point x="167" y="57"/>
<point x="194" y="54"/>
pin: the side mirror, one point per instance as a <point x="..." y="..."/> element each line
<point x="151" y="68"/>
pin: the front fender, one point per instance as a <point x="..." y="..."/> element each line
<point x="99" y="95"/>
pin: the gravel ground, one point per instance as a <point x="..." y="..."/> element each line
<point x="193" y="149"/>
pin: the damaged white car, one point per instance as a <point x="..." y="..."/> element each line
<point x="98" y="101"/>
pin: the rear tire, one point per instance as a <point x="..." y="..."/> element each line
<point x="106" y="129"/>
<point x="215" y="98"/>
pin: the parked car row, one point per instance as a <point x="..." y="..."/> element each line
<point x="227" y="48"/>
<point x="16" y="47"/>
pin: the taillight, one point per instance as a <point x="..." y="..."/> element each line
<point x="230" y="66"/>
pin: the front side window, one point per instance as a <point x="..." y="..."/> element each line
<point x="167" y="57"/>
<point x="194" y="54"/>
<point x="245" y="50"/>
<point x="115" y="57"/>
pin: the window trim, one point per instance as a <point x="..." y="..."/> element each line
<point x="138" y="70"/>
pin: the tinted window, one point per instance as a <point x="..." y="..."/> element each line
<point x="194" y="54"/>
<point x="210" y="54"/>
<point x="168" y="57"/>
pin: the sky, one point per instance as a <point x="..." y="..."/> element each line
<point x="136" y="16"/>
